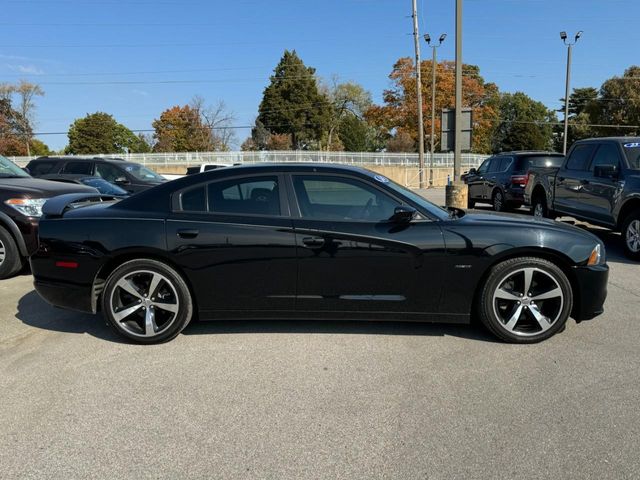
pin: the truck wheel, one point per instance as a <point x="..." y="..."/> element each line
<point x="539" y="207"/>
<point x="10" y="259"/>
<point x="631" y="235"/>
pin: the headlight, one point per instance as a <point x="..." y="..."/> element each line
<point x="597" y="256"/>
<point x="30" y="207"/>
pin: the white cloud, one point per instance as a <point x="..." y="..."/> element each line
<point x="26" y="69"/>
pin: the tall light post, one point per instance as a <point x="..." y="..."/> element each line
<point x="416" y="39"/>
<point x="427" y="38"/>
<point x="569" y="44"/>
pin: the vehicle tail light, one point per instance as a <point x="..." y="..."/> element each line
<point x="520" y="180"/>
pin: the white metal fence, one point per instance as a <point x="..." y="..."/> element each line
<point x="352" y="158"/>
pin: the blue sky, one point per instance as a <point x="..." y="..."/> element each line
<point x="135" y="58"/>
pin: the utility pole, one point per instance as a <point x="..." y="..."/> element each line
<point x="457" y="159"/>
<point x="432" y="142"/>
<point x="457" y="192"/>
<point x="416" y="39"/>
<point x="563" y="36"/>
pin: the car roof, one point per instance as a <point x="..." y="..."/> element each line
<point x="532" y="152"/>
<point x="78" y="159"/>
<point x="613" y="139"/>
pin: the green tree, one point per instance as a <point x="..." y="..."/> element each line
<point x="100" y="133"/>
<point x="293" y="105"/>
<point x="39" y="148"/>
<point x="10" y="141"/>
<point x="524" y="124"/>
<point x="619" y="101"/>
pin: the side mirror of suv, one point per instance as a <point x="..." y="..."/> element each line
<point x="403" y="214"/>
<point x="472" y="171"/>
<point x="606" y="171"/>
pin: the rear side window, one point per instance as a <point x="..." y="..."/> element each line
<point x="607" y="154"/>
<point x="580" y="156"/>
<point x="505" y="163"/>
<point x="243" y="196"/>
<point x="78" y="168"/>
<point x="41" y="168"/>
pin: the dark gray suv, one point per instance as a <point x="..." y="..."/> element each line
<point x="130" y="176"/>
<point x="501" y="179"/>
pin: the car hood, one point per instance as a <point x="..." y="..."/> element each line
<point x="38" y="188"/>
<point x="520" y="221"/>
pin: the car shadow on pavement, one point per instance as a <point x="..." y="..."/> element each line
<point x="360" y="327"/>
<point x="35" y="312"/>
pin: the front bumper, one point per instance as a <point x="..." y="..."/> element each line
<point x="591" y="291"/>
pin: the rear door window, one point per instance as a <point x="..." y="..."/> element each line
<point x="580" y="157"/>
<point x="79" y="168"/>
<point x="607" y="154"/>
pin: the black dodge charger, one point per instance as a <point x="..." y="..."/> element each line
<point x="311" y="242"/>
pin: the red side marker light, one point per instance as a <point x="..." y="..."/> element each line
<point x="67" y="264"/>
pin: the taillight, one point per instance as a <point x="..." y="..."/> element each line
<point x="520" y="180"/>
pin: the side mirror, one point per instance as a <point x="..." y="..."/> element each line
<point x="472" y="171"/>
<point x="122" y="181"/>
<point x="606" y="171"/>
<point x="403" y="214"/>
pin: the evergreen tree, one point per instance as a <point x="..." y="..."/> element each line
<point x="292" y="104"/>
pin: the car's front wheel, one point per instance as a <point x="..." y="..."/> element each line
<point x="10" y="260"/>
<point x="631" y="235"/>
<point x="525" y="300"/>
<point x="147" y="301"/>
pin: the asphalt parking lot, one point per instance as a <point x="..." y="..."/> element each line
<point x="288" y="400"/>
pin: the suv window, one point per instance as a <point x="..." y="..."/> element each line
<point x="607" y="154"/>
<point x="108" y="172"/>
<point x="248" y="196"/>
<point x="41" y="168"/>
<point x="323" y="197"/>
<point x="580" y="156"/>
<point x="505" y="163"/>
<point x="484" y="168"/>
<point x="78" y="168"/>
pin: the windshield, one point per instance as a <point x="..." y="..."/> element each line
<point x="8" y="169"/>
<point x="143" y="173"/>
<point x="103" y="186"/>
<point x="422" y="202"/>
<point x="632" y="151"/>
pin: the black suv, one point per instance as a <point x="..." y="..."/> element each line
<point x="21" y="201"/>
<point x="501" y="179"/>
<point x="130" y="176"/>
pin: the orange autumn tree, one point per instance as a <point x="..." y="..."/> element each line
<point x="398" y="114"/>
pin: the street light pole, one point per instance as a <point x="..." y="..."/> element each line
<point x="419" y="95"/>
<point x="457" y="158"/>
<point x="433" y="102"/>
<point x="563" y="36"/>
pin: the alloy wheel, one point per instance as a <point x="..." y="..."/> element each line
<point x="3" y="252"/>
<point x="144" y="303"/>
<point x="633" y="236"/>
<point x="528" y="301"/>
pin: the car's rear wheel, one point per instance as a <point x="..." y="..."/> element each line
<point x="10" y="260"/>
<point x="631" y="235"/>
<point x="525" y="300"/>
<point x="498" y="201"/>
<point x="147" y="301"/>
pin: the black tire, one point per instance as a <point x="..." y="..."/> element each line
<point x="471" y="203"/>
<point x="165" y="324"/>
<point x="11" y="262"/>
<point x="497" y="313"/>
<point x="498" y="201"/>
<point x="631" y="236"/>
